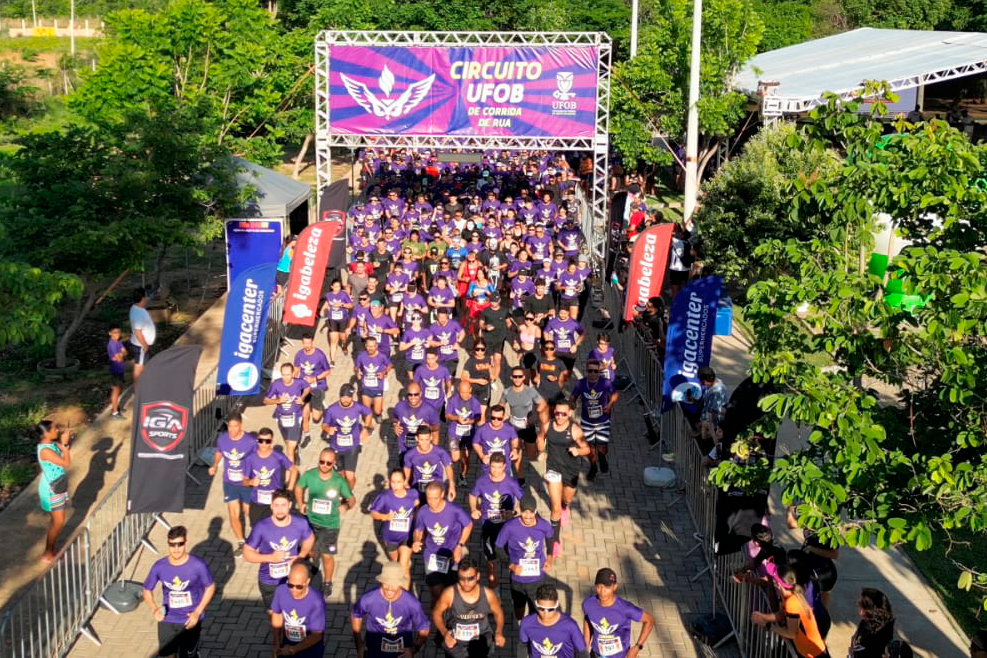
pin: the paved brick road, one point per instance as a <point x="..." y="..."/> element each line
<point x="616" y="522"/>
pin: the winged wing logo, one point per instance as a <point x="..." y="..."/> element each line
<point x="294" y="620"/>
<point x="283" y="545"/>
<point x="438" y="533"/>
<point x="546" y="647"/>
<point x="308" y="368"/>
<point x="177" y="584"/>
<point x="346" y="424"/>
<point x="385" y="106"/>
<point x="530" y="547"/>
<point x="605" y="627"/>
<point x="389" y="623"/>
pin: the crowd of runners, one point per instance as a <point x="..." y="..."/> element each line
<point x="444" y="262"/>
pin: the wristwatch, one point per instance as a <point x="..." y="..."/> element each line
<point x="640" y="647"/>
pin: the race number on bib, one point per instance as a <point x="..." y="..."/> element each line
<point x="235" y="475"/>
<point x="279" y="569"/>
<point x="370" y="381"/>
<point x="388" y="645"/>
<point x="553" y="476"/>
<point x="463" y="430"/>
<point x="431" y="393"/>
<point x="399" y="524"/>
<point x="417" y="353"/>
<point x="179" y="599"/>
<point x="564" y="344"/>
<point x="610" y="645"/>
<point x="437" y="563"/>
<point x="321" y="506"/>
<point x="336" y="314"/>
<point x="529" y="567"/>
<point x="287" y="421"/>
<point x="594" y="411"/>
<point x="344" y="440"/>
<point x="294" y="633"/>
<point x="264" y="497"/>
<point x="466" y="632"/>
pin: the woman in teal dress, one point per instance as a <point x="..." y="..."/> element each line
<point x="54" y="458"/>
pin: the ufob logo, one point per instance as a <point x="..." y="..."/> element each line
<point x="163" y="424"/>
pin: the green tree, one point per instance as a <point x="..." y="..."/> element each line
<point x="29" y="300"/>
<point x="786" y="22"/>
<point x="649" y="97"/>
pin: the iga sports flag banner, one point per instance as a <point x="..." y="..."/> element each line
<point x="646" y="274"/>
<point x="308" y="271"/>
<point x="241" y="349"/>
<point x="691" y="324"/>
<point x="544" y="91"/>
<point x="162" y="421"/>
<point x="250" y="242"/>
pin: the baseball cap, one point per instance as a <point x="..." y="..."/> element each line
<point x="346" y="390"/>
<point x="392" y="574"/>
<point x="528" y="503"/>
<point x="375" y="302"/>
<point x="605" y="576"/>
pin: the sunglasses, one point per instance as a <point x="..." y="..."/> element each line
<point x="327" y="463"/>
<point x="496" y="418"/>
<point x="593" y="372"/>
<point x="265" y="440"/>
<point x="479" y="349"/>
<point x="467" y="579"/>
<point x="530" y="319"/>
<point x="561" y="414"/>
<point x="549" y="349"/>
<point x="543" y="608"/>
<point x="414" y="395"/>
<point x="445" y="262"/>
<point x="292" y="586"/>
<point x="176" y="544"/>
<point x="517" y="376"/>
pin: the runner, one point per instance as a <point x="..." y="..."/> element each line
<point x="526" y="540"/>
<point x="371" y="368"/>
<point x="409" y="415"/>
<point x="446" y="335"/>
<point x="381" y="326"/>
<point x="412" y="346"/>
<point x="395" y="623"/>
<point x="495" y="499"/>
<point x="428" y="464"/>
<point x="607" y="620"/>
<point x="336" y="310"/>
<point x="549" y="374"/>
<point x="345" y="427"/>
<point x="598" y="397"/>
<point x="469" y="606"/>
<point x="327" y="492"/>
<point x="435" y="380"/>
<point x="604" y="354"/>
<point x="266" y="471"/>
<point x="497" y="436"/>
<point x="312" y="367"/>
<point x="568" y="334"/>
<point x="539" y="304"/>
<point x="448" y="528"/>
<point x="493" y="321"/>
<point x="233" y="447"/>
<point x="395" y="508"/>
<point x="564" y="443"/>
<point x="275" y="542"/>
<point x="462" y="413"/>
<point x="298" y="616"/>
<point x="550" y="632"/>
<point x="525" y="405"/>
<point x="187" y="587"/>
<point x="477" y="371"/>
<point x="288" y="395"/>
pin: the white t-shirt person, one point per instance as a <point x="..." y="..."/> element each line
<point x="140" y="320"/>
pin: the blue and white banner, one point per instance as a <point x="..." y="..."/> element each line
<point x="241" y="350"/>
<point x="691" y="325"/>
<point x="250" y="242"/>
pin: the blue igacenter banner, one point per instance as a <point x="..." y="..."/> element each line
<point x="691" y="325"/>
<point x="250" y="242"/>
<point x="241" y="349"/>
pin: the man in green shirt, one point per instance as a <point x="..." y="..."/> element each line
<point x="415" y="244"/>
<point x="328" y="493"/>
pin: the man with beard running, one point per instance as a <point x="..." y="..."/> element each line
<point x="468" y="605"/>
<point x="275" y="542"/>
<point x="598" y="397"/>
<point x="495" y="499"/>
<point x="525" y="406"/>
<point x="442" y="530"/>
<point x="526" y="539"/>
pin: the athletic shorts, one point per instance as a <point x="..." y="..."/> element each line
<point x="51" y="502"/>
<point x="437" y="578"/>
<point x="371" y="394"/>
<point x="293" y="433"/>
<point x="569" y="478"/>
<point x="527" y="434"/>
<point x="452" y="365"/>
<point x="176" y="640"/>
<point x="233" y="491"/>
<point x="481" y="647"/>
<point x="595" y="432"/>
<point x="138" y="354"/>
<point x="258" y="511"/>
<point x="338" y="326"/>
<point x="325" y="539"/>
<point x="460" y="442"/>
<point x="495" y="347"/>
<point x="390" y="548"/>
<point x="266" y="593"/>
<point x="316" y="399"/>
<point x="346" y="459"/>
<point x="488" y="536"/>
<point x="569" y="361"/>
<point x="523" y="594"/>
<point x="282" y="278"/>
<point x="117" y="379"/>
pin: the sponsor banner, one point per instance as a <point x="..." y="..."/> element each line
<point x="241" y="349"/>
<point x="251" y="242"/>
<point x="162" y="422"/>
<point x="332" y="208"/>
<point x="545" y="91"/>
<point x="646" y="275"/>
<point x="691" y="325"/>
<point x="308" y="271"/>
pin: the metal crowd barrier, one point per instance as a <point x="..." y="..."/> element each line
<point x="641" y="362"/>
<point x="46" y="617"/>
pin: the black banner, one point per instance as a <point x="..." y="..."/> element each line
<point x="162" y="421"/>
<point x="332" y="207"/>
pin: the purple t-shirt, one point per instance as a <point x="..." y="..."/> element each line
<point x="496" y="500"/>
<point x="568" y="285"/>
<point x="526" y="547"/>
<point x="462" y="415"/>
<point x="547" y="212"/>
<point x="427" y="467"/>
<point x="442" y="532"/>
<point x="419" y="338"/>
<point x="396" y="283"/>
<point x="302" y="617"/>
<point x="348" y="422"/>
<point x="539" y="247"/>
<point x="371" y="370"/>
<point x="606" y="361"/>
<point x="433" y="383"/>
<point x="235" y="454"/>
<point x="269" y="472"/>
<point x="565" y="333"/>
<point x="398" y="529"/>
<point x="447" y="336"/>
<point x="361" y="313"/>
<point x="114" y="347"/>
<point x="390" y="625"/>
<point x="182" y="586"/>
<point x="293" y="408"/>
<point x="337" y="311"/>
<point x="563" y="639"/>
<point x="611" y="625"/>
<point x="568" y="239"/>
<point x="594" y="398"/>
<point x="437" y="295"/>
<point x="520" y="290"/>
<point x="492" y="440"/>
<point x="411" y="418"/>
<point x="266" y="537"/>
<point x="312" y="365"/>
<point x="413" y="302"/>
<point x="376" y="327"/>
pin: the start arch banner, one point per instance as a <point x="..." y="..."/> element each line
<point x="532" y="91"/>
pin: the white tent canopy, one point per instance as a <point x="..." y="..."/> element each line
<point x="792" y="79"/>
<point x="276" y="194"/>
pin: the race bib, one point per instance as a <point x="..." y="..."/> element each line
<point x="519" y="423"/>
<point x="371" y="381"/>
<point x="609" y="645"/>
<point x="179" y="599"/>
<point x="344" y="440"/>
<point x="437" y="563"/>
<point x="553" y="476"/>
<point x="264" y="497"/>
<point x="417" y="353"/>
<point x="431" y="393"/>
<point x="466" y="632"/>
<point x="399" y="524"/>
<point x="564" y="344"/>
<point x="336" y="314"/>
<point x="529" y="567"/>
<point x="397" y="297"/>
<point x="463" y="430"/>
<point x="321" y="506"/>
<point x="278" y="569"/>
<point x="447" y="349"/>
<point x="234" y="475"/>
<point x="410" y="440"/>
<point x="570" y="292"/>
<point x="495" y="516"/>
<point x="294" y="633"/>
<point x="392" y="646"/>
<point x="287" y="421"/>
<point x="594" y="411"/>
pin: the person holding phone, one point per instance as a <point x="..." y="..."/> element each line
<point x="54" y="458"/>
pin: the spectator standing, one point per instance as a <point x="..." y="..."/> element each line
<point x="143" y="332"/>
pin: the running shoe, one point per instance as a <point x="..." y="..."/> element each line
<point x="462" y="479"/>
<point x="604" y="464"/>
<point x="117" y="416"/>
<point x="590" y="474"/>
<point x="238" y="551"/>
<point x="326" y="592"/>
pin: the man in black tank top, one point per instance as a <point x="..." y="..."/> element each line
<point x="462" y="615"/>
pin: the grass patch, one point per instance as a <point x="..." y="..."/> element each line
<point x="60" y="45"/>
<point x="937" y="565"/>
<point x="16" y="475"/>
